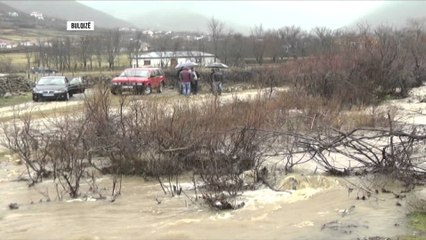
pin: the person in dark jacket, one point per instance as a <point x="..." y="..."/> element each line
<point x="178" y="77"/>
<point x="185" y="77"/>
<point x="195" y="79"/>
<point x="217" y="81"/>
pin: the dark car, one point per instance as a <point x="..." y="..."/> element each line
<point x="139" y="80"/>
<point x="77" y="86"/>
<point x="52" y="87"/>
<point x="43" y="70"/>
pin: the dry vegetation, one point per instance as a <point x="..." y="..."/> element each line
<point x="216" y="143"/>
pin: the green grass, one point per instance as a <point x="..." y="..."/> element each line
<point x="416" y="222"/>
<point x="14" y="100"/>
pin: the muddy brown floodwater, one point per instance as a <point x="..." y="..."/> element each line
<point x="321" y="208"/>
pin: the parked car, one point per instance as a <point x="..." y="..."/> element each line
<point x="43" y="70"/>
<point x="52" y="87"/>
<point x="139" y="80"/>
<point x="77" y="86"/>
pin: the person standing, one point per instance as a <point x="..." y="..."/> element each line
<point x="217" y="81"/>
<point x="178" y="80"/>
<point x="194" y="82"/>
<point x="185" y="78"/>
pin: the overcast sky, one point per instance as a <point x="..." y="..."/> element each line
<point x="271" y="14"/>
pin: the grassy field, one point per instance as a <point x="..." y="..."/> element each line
<point x="29" y="34"/>
<point x="14" y="100"/>
<point x="17" y="58"/>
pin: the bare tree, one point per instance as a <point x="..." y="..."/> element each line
<point x="258" y="41"/>
<point x="417" y="49"/>
<point x="273" y="45"/>
<point x="216" y="30"/>
<point x="98" y="48"/>
<point x="84" y="50"/>
<point x="162" y="45"/>
<point x="113" y="38"/>
<point x="237" y="49"/>
<point x="28" y="55"/>
<point x="290" y="37"/>
<point x="226" y="46"/>
<point x="138" y="44"/>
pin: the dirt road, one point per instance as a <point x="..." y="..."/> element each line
<point x="78" y="99"/>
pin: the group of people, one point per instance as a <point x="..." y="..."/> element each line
<point x="189" y="77"/>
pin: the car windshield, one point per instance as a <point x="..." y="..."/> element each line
<point x="75" y="81"/>
<point x="51" y="81"/>
<point x="135" y="73"/>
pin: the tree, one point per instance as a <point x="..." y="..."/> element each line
<point x="84" y="50"/>
<point x="28" y="56"/>
<point x="113" y="38"/>
<point x="226" y="47"/>
<point x="236" y="49"/>
<point x="258" y="41"/>
<point x="291" y="37"/>
<point x="98" y="48"/>
<point x="414" y="41"/>
<point x="216" y="29"/>
<point x="324" y="37"/>
<point x="138" y="44"/>
<point x="273" y="45"/>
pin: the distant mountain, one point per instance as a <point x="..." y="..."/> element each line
<point x="395" y="13"/>
<point x="4" y="9"/>
<point x="68" y="10"/>
<point x="11" y="18"/>
<point x="168" y="20"/>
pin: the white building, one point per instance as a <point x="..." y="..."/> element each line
<point x="13" y="14"/>
<point x="148" y="32"/>
<point x="37" y="15"/>
<point x="3" y="44"/>
<point x="171" y="59"/>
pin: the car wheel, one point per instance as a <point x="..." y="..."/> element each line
<point x="147" y="90"/>
<point x="71" y="94"/>
<point x="35" y="99"/>
<point x="160" y="88"/>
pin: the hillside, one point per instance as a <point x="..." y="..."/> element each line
<point x="395" y="13"/>
<point x="68" y="10"/>
<point x="176" y="21"/>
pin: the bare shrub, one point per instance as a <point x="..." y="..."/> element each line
<point x="68" y="151"/>
<point x="32" y="145"/>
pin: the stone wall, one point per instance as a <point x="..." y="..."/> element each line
<point x="14" y="85"/>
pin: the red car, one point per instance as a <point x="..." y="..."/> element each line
<point x="139" y="80"/>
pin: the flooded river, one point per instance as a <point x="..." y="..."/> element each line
<point x="322" y="208"/>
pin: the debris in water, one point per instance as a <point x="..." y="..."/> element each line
<point x="347" y="211"/>
<point x="13" y="206"/>
<point x="220" y="202"/>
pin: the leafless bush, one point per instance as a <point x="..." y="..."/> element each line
<point x="68" y="152"/>
<point x="386" y="151"/>
<point x="23" y="137"/>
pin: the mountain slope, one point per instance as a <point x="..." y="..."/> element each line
<point x="178" y="22"/>
<point x="395" y="13"/>
<point x="68" y="10"/>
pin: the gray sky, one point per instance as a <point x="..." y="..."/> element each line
<point x="271" y="14"/>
